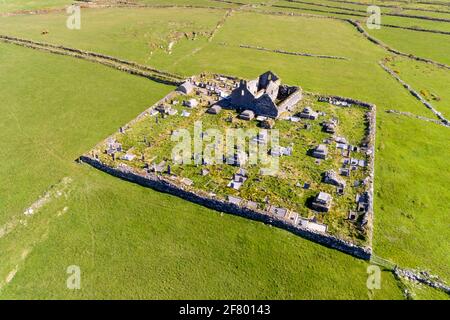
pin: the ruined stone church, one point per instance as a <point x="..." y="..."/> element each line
<point x="264" y="96"/>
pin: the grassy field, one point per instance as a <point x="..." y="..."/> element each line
<point x="425" y="45"/>
<point x="411" y="223"/>
<point x="14" y="5"/>
<point x="431" y="81"/>
<point x="134" y="242"/>
<point x="134" y="34"/>
<point x="188" y="57"/>
<point x="111" y="227"/>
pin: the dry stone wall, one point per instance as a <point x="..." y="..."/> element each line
<point x="369" y="140"/>
<point x="119" y="64"/>
<point x="388" y="48"/>
<point x="411" y="115"/>
<point x="416" y="95"/>
<point x="293" y="53"/>
<point x="165" y="185"/>
<point x="422" y="277"/>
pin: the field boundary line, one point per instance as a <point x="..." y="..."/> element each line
<point x="390" y="6"/>
<point x="417" y="95"/>
<point x="411" y="275"/>
<point x="113" y="62"/>
<point x="303" y="54"/>
<point x="363" y="11"/>
<point x="93" y="5"/>
<point x="168" y="186"/>
<point x="356" y="14"/>
<point x="423" y="277"/>
<point x="374" y="40"/>
<point x="415" y="116"/>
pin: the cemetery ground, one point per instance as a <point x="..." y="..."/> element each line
<point x="159" y="246"/>
<point x="146" y="145"/>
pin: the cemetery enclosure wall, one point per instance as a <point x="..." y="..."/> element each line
<point x="160" y="183"/>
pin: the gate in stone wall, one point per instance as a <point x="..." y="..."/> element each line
<point x="389" y="265"/>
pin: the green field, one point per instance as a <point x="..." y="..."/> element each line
<point x="15" y="5"/>
<point x="430" y="81"/>
<point x="133" y="242"/>
<point x="114" y="227"/>
<point x="425" y="45"/>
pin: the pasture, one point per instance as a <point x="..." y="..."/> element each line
<point x="133" y="242"/>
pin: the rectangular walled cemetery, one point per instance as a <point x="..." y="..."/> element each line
<point x="306" y="163"/>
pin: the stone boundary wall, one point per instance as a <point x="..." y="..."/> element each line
<point x="360" y="29"/>
<point x="231" y="2"/>
<point x="324" y="11"/>
<point x="292" y="53"/>
<point x="370" y="141"/>
<point x="365" y="13"/>
<point x="291" y="100"/>
<point x="116" y="63"/>
<point x="220" y="24"/>
<point x="92" y="54"/>
<point x="411" y="115"/>
<point x="166" y="185"/>
<point x="391" y="6"/>
<point x="439" y="3"/>
<point x="421" y="277"/>
<point x="357" y="102"/>
<point x="416" y="29"/>
<point x="415" y="94"/>
<point x="417" y="17"/>
<point x="163" y="184"/>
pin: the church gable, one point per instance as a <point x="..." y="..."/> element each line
<point x="241" y="97"/>
<point x="264" y="106"/>
<point x="262" y="95"/>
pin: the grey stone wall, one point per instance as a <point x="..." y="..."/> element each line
<point x="369" y="140"/>
<point x="388" y="48"/>
<point x="411" y="115"/>
<point x="163" y="184"/>
<point x="303" y="54"/>
<point x="291" y="100"/>
<point x="422" y="277"/>
<point x="416" y="95"/>
<point x="116" y="63"/>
